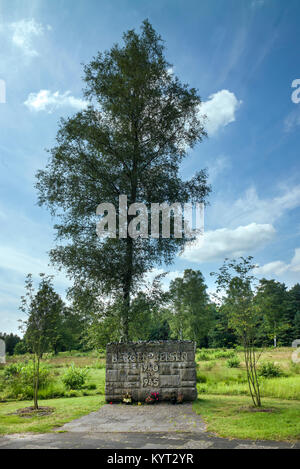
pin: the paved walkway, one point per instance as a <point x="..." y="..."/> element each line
<point x="135" y="427"/>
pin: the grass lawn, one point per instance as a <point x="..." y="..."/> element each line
<point x="229" y="416"/>
<point x="223" y="395"/>
<point x="66" y="409"/>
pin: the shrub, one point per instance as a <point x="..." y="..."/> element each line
<point x="20" y="348"/>
<point x="203" y="355"/>
<point x="233" y="362"/>
<point x="202" y="388"/>
<point x="18" y="378"/>
<point x="74" y="377"/>
<point x="269" y="370"/>
<point x="201" y="378"/>
<point x="224" y="354"/>
<point x="91" y="386"/>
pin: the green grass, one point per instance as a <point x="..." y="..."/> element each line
<point x="229" y="416"/>
<point x="281" y="388"/>
<point x="222" y="391"/>
<point x="214" y="377"/>
<point x="65" y="411"/>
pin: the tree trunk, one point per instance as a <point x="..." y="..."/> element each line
<point x="36" y="384"/>
<point x="250" y="361"/>
<point x="127" y="290"/>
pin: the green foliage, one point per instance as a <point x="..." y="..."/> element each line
<point x="295" y="368"/>
<point x="213" y="354"/>
<point x="201" y="378"/>
<point x="160" y="331"/>
<point x="43" y="309"/>
<point x="130" y="140"/>
<point x="19" y="379"/>
<point x="269" y="370"/>
<point x="75" y="377"/>
<point x="91" y="386"/>
<point x="271" y="298"/>
<point x="191" y="312"/>
<point x="235" y="283"/>
<point x="20" y="348"/>
<point x="233" y="362"/>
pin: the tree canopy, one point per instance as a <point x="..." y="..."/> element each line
<point x="138" y="127"/>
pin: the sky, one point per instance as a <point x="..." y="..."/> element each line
<point x="242" y="56"/>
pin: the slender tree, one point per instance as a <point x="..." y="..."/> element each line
<point x="235" y="284"/>
<point x="130" y="141"/>
<point x="43" y="309"/>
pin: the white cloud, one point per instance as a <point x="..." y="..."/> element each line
<point x="23" y="34"/>
<point x="272" y="268"/>
<point x="227" y="242"/>
<point x="220" y="110"/>
<point x="268" y="209"/>
<point x="47" y="101"/>
<point x="280" y="267"/>
<point x="251" y="208"/>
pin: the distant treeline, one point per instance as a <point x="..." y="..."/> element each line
<point x="185" y="311"/>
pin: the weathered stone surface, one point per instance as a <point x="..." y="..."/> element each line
<point x="139" y="368"/>
<point x="2" y="352"/>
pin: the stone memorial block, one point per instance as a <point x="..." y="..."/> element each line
<point x="139" y="368"/>
<point x="2" y="352"/>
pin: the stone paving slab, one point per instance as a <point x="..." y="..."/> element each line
<point x="132" y="418"/>
<point x="136" y="427"/>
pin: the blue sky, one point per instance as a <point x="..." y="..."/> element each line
<point x="242" y="55"/>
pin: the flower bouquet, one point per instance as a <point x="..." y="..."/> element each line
<point x="152" y="398"/>
<point x="127" y="398"/>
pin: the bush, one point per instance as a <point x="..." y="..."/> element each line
<point x="224" y="354"/>
<point x="269" y="370"/>
<point x="233" y="362"/>
<point x="91" y="386"/>
<point x="20" y="348"/>
<point x="203" y="356"/>
<point x="74" y="377"/>
<point x="201" y="378"/>
<point x="19" y="377"/>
